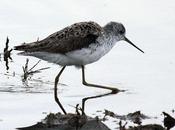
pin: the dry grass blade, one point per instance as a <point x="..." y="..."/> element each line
<point x="29" y="72"/>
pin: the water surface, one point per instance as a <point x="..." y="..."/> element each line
<point x="149" y="77"/>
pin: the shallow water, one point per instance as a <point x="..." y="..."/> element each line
<point x="149" y="77"/>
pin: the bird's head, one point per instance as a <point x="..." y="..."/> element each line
<point x="118" y="31"/>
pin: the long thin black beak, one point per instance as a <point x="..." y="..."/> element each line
<point x="127" y="40"/>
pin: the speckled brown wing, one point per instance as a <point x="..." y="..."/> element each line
<point x="71" y="38"/>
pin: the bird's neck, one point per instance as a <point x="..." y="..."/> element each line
<point x="110" y="34"/>
<point x="108" y="38"/>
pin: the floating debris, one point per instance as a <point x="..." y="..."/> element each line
<point x="78" y="109"/>
<point x="109" y="113"/>
<point x="135" y="117"/>
<point x="7" y="53"/>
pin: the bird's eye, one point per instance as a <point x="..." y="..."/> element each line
<point x="121" y="31"/>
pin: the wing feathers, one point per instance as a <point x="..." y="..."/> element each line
<point x="70" y="38"/>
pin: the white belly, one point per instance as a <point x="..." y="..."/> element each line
<point x="78" y="57"/>
<point x="90" y="54"/>
<point x="86" y="55"/>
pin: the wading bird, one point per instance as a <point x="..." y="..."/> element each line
<point x="79" y="44"/>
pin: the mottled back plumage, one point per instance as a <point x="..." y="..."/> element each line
<point x="71" y="38"/>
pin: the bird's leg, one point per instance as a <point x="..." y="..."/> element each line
<point x="55" y="90"/>
<point x="114" y="90"/>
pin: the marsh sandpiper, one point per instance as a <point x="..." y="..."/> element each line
<point x="79" y="44"/>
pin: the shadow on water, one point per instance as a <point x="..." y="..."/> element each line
<point x="32" y="85"/>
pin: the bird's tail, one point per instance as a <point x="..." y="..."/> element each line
<point x="20" y="47"/>
<point x="26" y="46"/>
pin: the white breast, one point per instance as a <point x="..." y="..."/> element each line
<point x="93" y="53"/>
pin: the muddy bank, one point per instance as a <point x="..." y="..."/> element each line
<point x="68" y="122"/>
<point x="59" y="121"/>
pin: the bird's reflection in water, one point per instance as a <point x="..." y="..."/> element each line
<point x="73" y="117"/>
<point x="96" y="96"/>
<point x="6" y="59"/>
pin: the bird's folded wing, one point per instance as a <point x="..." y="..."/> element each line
<point x="71" y="38"/>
